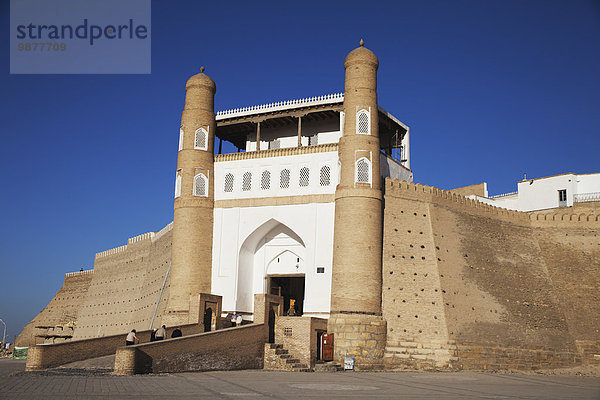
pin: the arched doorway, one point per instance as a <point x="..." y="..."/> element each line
<point x="271" y="250"/>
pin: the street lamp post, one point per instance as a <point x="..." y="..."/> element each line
<point x="4" y="334"/>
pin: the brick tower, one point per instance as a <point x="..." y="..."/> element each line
<point x="356" y="320"/>
<point x="191" y="252"/>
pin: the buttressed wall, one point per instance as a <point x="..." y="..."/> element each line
<point x="126" y="287"/>
<point x="60" y="314"/>
<point x="472" y="286"/>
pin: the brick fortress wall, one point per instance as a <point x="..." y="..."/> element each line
<point x="61" y="313"/>
<point x="126" y="286"/>
<point x="467" y="285"/>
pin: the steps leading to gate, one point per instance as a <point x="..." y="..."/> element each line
<point x="278" y="358"/>
<point x="328" y="366"/>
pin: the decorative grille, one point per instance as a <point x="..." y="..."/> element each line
<point x="274" y="144"/>
<point x="304" y="176"/>
<point x="200" y="185"/>
<point x="201" y="139"/>
<point x="247" y="181"/>
<point x="229" y="183"/>
<point x="265" y="180"/>
<point x="363" y="171"/>
<point x="362" y="122"/>
<point x="284" y="179"/>
<point x="325" y="175"/>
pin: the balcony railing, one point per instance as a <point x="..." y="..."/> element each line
<point x="288" y="151"/>
<point x="496" y="196"/>
<point x="585" y="197"/>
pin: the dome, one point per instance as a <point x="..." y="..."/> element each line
<point x="201" y="79"/>
<point x="361" y="55"/>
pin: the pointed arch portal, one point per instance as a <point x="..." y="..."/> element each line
<point x="271" y="260"/>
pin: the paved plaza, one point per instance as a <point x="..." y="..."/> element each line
<point x="74" y="383"/>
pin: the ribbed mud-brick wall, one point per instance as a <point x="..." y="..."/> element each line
<point x="571" y="251"/>
<point x="63" y="310"/>
<point x="412" y="302"/>
<point x="500" y="306"/>
<point x="126" y="287"/>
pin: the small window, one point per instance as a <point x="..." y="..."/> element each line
<point x="228" y="183"/>
<point x="287" y="331"/>
<point x="201" y="142"/>
<point x="265" y="180"/>
<point x="325" y="176"/>
<point x="363" y="171"/>
<point x="178" y="184"/>
<point x="363" y="122"/>
<point x="284" y="181"/>
<point x="304" y="177"/>
<point x="320" y="270"/>
<point x="562" y="196"/>
<point x="201" y="185"/>
<point x="247" y="181"/>
<point x="274" y="144"/>
<point x="180" y="139"/>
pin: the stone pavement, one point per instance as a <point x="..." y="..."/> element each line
<point x="73" y="383"/>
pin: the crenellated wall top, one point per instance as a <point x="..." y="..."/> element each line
<point x="79" y="273"/>
<point x="152" y="236"/>
<point x="562" y="218"/>
<point x="417" y="191"/>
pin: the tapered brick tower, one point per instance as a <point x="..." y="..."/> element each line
<point x="356" y="285"/>
<point x="194" y="201"/>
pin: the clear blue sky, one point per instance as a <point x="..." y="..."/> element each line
<point x="490" y="90"/>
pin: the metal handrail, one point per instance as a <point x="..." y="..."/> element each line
<point x="503" y="195"/>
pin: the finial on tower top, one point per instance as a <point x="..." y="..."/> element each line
<point x="362" y="43"/>
<point x="202" y="69"/>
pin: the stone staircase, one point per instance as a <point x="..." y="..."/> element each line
<point x="328" y="366"/>
<point x="278" y="358"/>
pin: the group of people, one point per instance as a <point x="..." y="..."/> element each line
<point x="236" y="319"/>
<point x="157" y="334"/>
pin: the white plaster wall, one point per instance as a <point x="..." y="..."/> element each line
<point x="329" y="137"/>
<point x="508" y="202"/>
<point x="314" y="162"/>
<point x="390" y="168"/>
<point x="588" y="183"/>
<point x="288" y="135"/>
<point x="541" y="194"/>
<point x="239" y="230"/>
<point x="406" y="146"/>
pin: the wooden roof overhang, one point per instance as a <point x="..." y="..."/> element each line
<point x="237" y="129"/>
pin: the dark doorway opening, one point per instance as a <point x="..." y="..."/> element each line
<point x="207" y="319"/>
<point x="290" y="288"/>
<point x="271" y="325"/>
<point x="319" y="350"/>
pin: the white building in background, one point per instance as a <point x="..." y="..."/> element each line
<point x="549" y="192"/>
